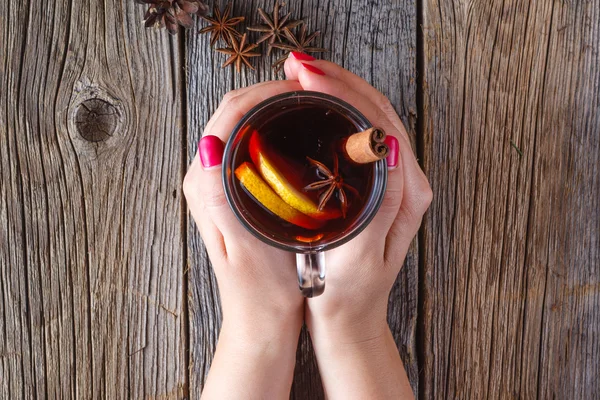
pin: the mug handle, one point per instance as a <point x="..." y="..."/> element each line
<point x="311" y="273"/>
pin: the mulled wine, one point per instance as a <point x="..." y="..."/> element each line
<point x="293" y="177"/>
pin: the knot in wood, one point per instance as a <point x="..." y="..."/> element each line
<point x="96" y="119"/>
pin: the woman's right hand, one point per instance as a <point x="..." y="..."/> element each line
<point x="360" y="274"/>
<point x="262" y="306"/>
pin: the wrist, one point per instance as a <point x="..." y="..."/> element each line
<point x="347" y="323"/>
<point x="260" y="334"/>
<point x="255" y="317"/>
<point x="345" y="333"/>
<point x="253" y="356"/>
<point x="361" y="364"/>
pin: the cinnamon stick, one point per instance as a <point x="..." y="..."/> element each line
<point x="367" y="146"/>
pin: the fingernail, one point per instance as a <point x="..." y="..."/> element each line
<point x="302" y="57"/>
<point x="313" y="69"/>
<point x="392" y="158"/>
<point x="211" y="151"/>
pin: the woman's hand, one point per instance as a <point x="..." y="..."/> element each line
<point x="348" y="322"/>
<point x="262" y="306"/>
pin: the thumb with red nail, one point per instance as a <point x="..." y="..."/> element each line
<point x="210" y="150"/>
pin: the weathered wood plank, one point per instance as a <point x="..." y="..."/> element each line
<point x="511" y="245"/>
<point x="91" y="248"/>
<point x="375" y="39"/>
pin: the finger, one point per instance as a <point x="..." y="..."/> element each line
<point x="416" y="200"/>
<point x="392" y="201"/>
<point x="203" y="186"/>
<point x="293" y="67"/>
<point x="310" y="80"/>
<point x="235" y="105"/>
<point x="340" y="89"/>
<point x="228" y="96"/>
<point x="399" y="240"/>
<point x="211" y="236"/>
<point x="393" y="198"/>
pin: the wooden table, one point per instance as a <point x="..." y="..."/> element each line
<point x="105" y="286"/>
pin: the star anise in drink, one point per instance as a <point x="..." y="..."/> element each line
<point x="300" y="43"/>
<point x="274" y="26"/>
<point x="332" y="182"/>
<point x="221" y="26"/>
<point x="239" y="52"/>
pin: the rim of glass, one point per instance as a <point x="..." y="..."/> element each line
<point x="380" y="174"/>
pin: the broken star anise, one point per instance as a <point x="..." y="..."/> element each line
<point x="274" y="26"/>
<point x="172" y="13"/>
<point x="331" y="183"/>
<point x="300" y="43"/>
<point x="221" y="26"/>
<point x="239" y="52"/>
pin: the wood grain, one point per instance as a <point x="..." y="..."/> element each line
<point x="102" y="273"/>
<point x="91" y="248"/>
<point x="376" y="40"/>
<point x="511" y="256"/>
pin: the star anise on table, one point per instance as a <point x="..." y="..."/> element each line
<point x="239" y="52"/>
<point x="221" y="26"/>
<point x="274" y="26"/>
<point x="300" y="43"/>
<point x="331" y="183"/>
<point x="172" y="13"/>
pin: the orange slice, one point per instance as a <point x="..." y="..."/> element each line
<point x="258" y="188"/>
<point x="274" y="172"/>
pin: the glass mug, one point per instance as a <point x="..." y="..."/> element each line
<point x="310" y="257"/>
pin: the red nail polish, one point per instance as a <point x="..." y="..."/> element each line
<point x="211" y="151"/>
<point x="302" y="57"/>
<point x="313" y="69"/>
<point x="392" y="158"/>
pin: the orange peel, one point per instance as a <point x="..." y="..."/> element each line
<point x="272" y="170"/>
<point x="262" y="192"/>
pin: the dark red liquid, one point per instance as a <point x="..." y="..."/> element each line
<point x="293" y="134"/>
